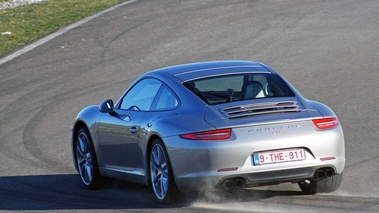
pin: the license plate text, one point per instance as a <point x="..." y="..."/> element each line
<point x="279" y="156"/>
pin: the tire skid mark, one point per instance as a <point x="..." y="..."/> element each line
<point x="12" y="114"/>
<point x="18" y="104"/>
<point x="31" y="139"/>
<point x="15" y="154"/>
<point x="41" y="108"/>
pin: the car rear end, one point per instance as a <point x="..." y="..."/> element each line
<point x="297" y="147"/>
<point x="259" y="149"/>
<point x="262" y="132"/>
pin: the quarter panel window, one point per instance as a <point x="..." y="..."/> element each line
<point x="165" y="100"/>
<point x="142" y="95"/>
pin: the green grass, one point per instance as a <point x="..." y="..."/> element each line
<point x="30" y="22"/>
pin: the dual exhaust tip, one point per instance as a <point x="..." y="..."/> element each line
<point x="232" y="183"/>
<point x="323" y="173"/>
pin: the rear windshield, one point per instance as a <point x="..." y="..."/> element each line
<point x="229" y="88"/>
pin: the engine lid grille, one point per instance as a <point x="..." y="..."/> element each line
<point x="260" y="109"/>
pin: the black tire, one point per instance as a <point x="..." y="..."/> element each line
<point x="86" y="162"/>
<point x="324" y="185"/>
<point x="161" y="177"/>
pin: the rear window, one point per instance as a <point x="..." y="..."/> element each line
<point x="229" y="88"/>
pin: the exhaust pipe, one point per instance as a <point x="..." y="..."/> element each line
<point x="329" y="173"/>
<point x="227" y="184"/>
<point x="239" y="182"/>
<point x="319" y="174"/>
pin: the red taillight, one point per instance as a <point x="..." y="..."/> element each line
<point x="218" y="134"/>
<point x="326" y="123"/>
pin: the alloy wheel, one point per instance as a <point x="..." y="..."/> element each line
<point x="84" y="158"/>
<point x="159" y="171"/>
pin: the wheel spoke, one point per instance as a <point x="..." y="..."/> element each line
<point x="156" y="157"/>
<point x="159" y="153"/>
<point x="81" y="162"/>
<point x="155" y="166"/>
<point x="164" y="185"/>
<point x="164" y="167"/>
<point x="88" y="172"/>
<point x="156" y="173"/>
<point x="82" y="141"/>
<point x="80" y="152"/>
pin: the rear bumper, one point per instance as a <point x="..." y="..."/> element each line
<point x="212" y="180"/>
<point x="204" y="165"/>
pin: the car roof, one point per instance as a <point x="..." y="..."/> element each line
<point x="187" y="72"/>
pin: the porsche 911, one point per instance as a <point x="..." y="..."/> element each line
<point x="210" y="125"/>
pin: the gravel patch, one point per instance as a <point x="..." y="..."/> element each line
<point x="16" y="3"/>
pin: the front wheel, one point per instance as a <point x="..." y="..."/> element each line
<point x="161" y="177"/>
<point x="325" y="185"/>
<point x="86" y="161"/>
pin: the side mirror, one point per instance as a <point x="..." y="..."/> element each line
<point x="106" y="106"/>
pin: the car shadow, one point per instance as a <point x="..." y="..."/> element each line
<point x="65" y="192"/>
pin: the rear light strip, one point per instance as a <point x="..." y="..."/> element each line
<point x="326" y="123"/>
<point x="218" y="134"/>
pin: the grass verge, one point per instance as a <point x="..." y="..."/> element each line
<point x="21" y="25"/>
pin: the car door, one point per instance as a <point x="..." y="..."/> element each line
<point x="119" y="131"/>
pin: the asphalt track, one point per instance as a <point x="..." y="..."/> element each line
<point x="327" y="49"/>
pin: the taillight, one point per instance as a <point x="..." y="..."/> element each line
<point x="218" y="134"/>
<point x="326" y="123"/>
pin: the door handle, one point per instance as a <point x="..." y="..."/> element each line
<point x="133" y="129"/>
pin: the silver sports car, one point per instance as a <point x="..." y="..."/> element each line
<point x="221" y="124"/>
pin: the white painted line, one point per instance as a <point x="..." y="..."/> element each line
<point x="58" y="33"/>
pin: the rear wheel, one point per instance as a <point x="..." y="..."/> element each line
<point x="86" y="160"/>
<point x="161" y="177"/>
<point x="324" y="185"/>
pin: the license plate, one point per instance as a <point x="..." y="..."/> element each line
<point x="279" y="156"/>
